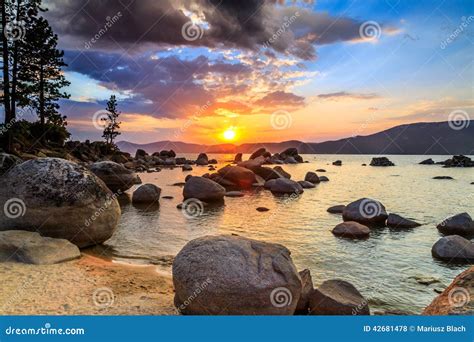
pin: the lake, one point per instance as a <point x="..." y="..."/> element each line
<point x="383" y="267"/>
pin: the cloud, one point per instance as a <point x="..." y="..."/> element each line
<point x="347" y="95"/>
<point x="281" y="98"/>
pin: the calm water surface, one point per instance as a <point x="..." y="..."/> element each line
<point x="383" y="267"/>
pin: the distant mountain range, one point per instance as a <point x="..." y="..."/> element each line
<point x="417" y="138"/>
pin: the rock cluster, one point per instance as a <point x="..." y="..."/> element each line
<point x="382" y="161"/>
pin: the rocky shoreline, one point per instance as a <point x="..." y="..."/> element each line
<point x="74" y="204"/>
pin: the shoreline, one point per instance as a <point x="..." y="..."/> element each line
<point x="87" y="286"/>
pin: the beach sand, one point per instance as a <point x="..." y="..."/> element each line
<point x="87" y="286"/>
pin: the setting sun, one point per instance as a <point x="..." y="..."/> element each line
<point x="229" y="134"/>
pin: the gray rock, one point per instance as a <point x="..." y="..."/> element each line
<point x="238" y="158"/>
<point x="365" y="211"/>
<point x="427" y="162"/>
<point x="282" y="173"/>
<point x="397" y="221"/>
<point x="59" y="199"/>
<point x="265" y="172"/>
<point x="187" y="167"/>
<point x="286" y="186"/>
<point x="114" y="175"/>
<point x="312" y="177"/>
<point x="306" y="185"/>
<point x="258" y="153"/>
<point x="307" y="288"/>
<point x="323" y="179"/>
<point x="202" y="159"/>
<point x="460" y="224"/>
<point x="32" y="248"/>
<point x="290" y="160"/>
<point x="337" y="297"/>
<point x="235" y="276"/>
<point x="382" y="161"/>
<point x="337" y="163"/>
<point x="146" y="193"/>
<point x="203" y="189"/>
<point x="453" y="248"/>
<point x="337" y="209"/>
<point x="269" y="183"/>
<point x="351" y="230"/>
<point x="240" y="176"/>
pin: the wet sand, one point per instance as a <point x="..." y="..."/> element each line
<point x="87" y="286"/>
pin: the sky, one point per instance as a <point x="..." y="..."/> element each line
<point x="214" y="71"/>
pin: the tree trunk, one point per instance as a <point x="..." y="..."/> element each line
<point x="41" y="95"/>
<point x="15" y="69"/>
<point x="6" y="76"/>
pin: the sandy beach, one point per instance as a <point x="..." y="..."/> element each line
<point x="87" y="286"/>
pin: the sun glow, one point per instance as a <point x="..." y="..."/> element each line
<point x="229" y="134"/>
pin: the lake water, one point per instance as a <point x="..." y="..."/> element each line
<point x="382" y="267"/>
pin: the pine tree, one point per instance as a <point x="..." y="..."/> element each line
<point x="112" y="125"/>
<point x="44" y="74"/>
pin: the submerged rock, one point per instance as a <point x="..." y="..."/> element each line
<point x="337" y="163"/>
<point x="203" y="189"/>
<point x="235" y="276"/>
<point x="59" y="199"/>
<point x="443" y="177"/>
<point x="286" y="186"/>
<point x="262" y="209"/>
<point x="460" y="224"/>
<point x="312" y="177"/>
<point x="186" y="167"/>
<point x="115" y="176"/>
<point x="337" y="209"/>
<point x="457" y="298"/>
<point x="427" y="162"/>
<point x="459" y="161"/>
<point x="32" y="248"/>
<point x="146" y="193"/>
<point x="453" y="248"/>
<point x="282" y="173"/>
<point x="397" y="221"/>
<point x="337" y="297"/>
<point x="306" y="185"/>
<point x="382" y="161"/>
<point x="320" y="170"/>
<point x="365" y="211"/>
<point x="265" y="172"/>
<point x="202" y="159"/>
<point x="234" y="194"/>
<point x="351" y="230"/>
<point x="269" y="183"/>
<point x="323" y="179"/>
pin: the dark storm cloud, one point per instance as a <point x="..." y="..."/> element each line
<point x="249" y="24"/>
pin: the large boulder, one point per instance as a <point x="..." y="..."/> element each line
<point x="240" y="176"/>
<point x="282" y="173"/>
<point x="7" y="161"/>
<point x="203" y="189"/>
<point x="397" y="221"/>
<point x="460" y="224"/>
<point x="238" y="158"/>
<point x="427" y="162"/>
<point x="114" y="175"/>
<point x="306" y="184"/>
<point x="382" y="161"/>
<point x="459" y="161"/>
<point x="365" y="211"/>
<point x="235" y="276"/>
<point x="265" y="172"/>
<point x="251" y="163"/>
<point x="453" y="248"/>
<point x="286" y="186"/>
<point x="457" y="298"/>
<point x="32" y="248"/>
<point x="59" y="199"/>
<point x="337" y="297"/>
<point x="260" y="152"/>
<point x="312" y="177"/>
<point x="146" y="193"/>
<point x="202" y="159"/>
<point x="351" y="230"/>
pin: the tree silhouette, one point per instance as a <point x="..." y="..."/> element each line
<point x="112" y="125"/>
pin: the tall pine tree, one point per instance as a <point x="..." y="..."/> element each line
<point x="111" y="123"/>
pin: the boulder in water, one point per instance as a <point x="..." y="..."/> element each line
<point x="114" y="175"/>
<point x="235" y="276"/>
<point x="337" y="209"/>
<point x="202" y="159"/>
<point x="312" y="177"/>
<point x="397" y="221"/>
<point x="282" y="173"/>
<point x="351" y="230"/>
<point x="460" y="224"/>
<point x="366" y="211"/>
<point x="453" y="248"/>
<point x="146" y="193"/>
<point x="203" y="189"/>
<point x="286" y="186"/>
<point x="59" y="199"/>
<point x="337" y="163"/>
<point x="306" y="184"/>
<point x="240" y="176"/>
<point x="238" y="158"/>
<point x="323" y="179"/>
<point x="427" y="162"/>
<point x="382" y="161"/>
<point x="337" y="297"/>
